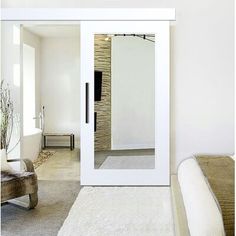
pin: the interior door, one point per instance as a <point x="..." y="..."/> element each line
<point x="131" y="136"/>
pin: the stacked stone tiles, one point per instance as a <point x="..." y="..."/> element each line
<point x="102" y="59"/>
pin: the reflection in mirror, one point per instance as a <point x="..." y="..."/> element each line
<point x="124" y="94"/>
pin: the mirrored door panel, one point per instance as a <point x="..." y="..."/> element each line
<point x="124" y="101"/>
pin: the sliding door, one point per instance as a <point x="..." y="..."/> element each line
<point x="125" y="103"/>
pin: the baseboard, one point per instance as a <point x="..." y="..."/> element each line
<point x="132" y="146"/>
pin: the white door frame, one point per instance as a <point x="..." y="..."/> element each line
<point x="161" y="17"/>
<point x="160" y="175"/>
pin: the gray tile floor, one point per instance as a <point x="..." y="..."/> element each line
<point x="63" y="165"/>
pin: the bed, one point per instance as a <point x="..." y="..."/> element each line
<point x="204" y="196"/>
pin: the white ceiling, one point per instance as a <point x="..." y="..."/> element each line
<point x="49" y="31"/>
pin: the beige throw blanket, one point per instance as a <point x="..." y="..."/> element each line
<point x="219" y="172"/>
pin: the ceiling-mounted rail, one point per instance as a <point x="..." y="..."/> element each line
<point x="88" y="14"/>
<point x="148" y="37"/>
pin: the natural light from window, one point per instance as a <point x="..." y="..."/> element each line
<point x="16" y="75"/>
<point x="28" y="87"/>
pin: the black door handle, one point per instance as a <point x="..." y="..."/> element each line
<point x="87" y="103"/>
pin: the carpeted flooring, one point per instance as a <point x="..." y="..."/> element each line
<point x="120" y="211"/>
<point x="129" y="162"/>
<point x="55" y="201"/>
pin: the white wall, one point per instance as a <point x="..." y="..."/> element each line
<point x="202" y="71"/>
<point x="60" y="86"/>
<point x="202" y="79"/>
<point x="35" y="41"/>
<point x="133" y="95"/>
<point x="10" y="73"/>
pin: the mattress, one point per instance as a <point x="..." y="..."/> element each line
<point x="204" y="216"/>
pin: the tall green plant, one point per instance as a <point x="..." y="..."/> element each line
<point x="6" y="115"/>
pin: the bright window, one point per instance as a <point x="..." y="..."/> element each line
<point x="28" y="87"/>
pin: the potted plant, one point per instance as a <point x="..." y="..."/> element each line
<point x="6" y="122"/>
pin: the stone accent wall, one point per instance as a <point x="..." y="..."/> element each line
<point x="102" y="59"/>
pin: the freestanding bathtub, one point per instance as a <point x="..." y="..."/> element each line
<point x="32" y="143"/>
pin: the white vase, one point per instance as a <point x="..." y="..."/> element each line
<point x="4" y="164"/>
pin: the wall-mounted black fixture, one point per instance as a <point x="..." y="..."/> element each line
<point x="97" y="85"/>
<point x="95" y="121"/>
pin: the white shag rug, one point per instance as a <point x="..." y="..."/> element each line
<point x="129" y="162"/>
<point x="120" y="211"/>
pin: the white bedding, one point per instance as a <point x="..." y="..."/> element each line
<point x="203" y="214"/>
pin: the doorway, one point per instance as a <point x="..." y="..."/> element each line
<point x="51" y="67"/>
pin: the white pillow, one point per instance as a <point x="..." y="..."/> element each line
<point x="4" y="164"/>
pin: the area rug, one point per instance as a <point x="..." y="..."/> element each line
<point x="43" y="157"/>
<point x="55" y="201"/>
<point x="120" y="211"/>
<point x="129" y="162"/>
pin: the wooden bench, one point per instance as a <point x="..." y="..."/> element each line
<point x="71" y="137"/>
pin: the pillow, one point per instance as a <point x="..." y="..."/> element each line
<point x="4" y="164"/>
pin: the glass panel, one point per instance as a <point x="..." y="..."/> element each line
<point x="124" y="94"/>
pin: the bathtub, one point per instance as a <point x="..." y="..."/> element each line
<point x="32" y="143"/>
